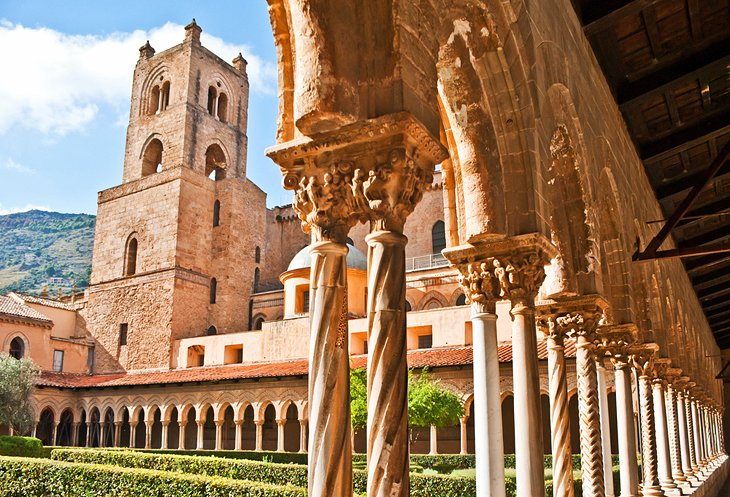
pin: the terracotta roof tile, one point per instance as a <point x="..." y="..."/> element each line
<point x="11" y="307"/>
<point x="435" y="357"/>
<point x="32" y="299"/>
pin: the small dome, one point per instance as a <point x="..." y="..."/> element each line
<point x="355" y="259"/>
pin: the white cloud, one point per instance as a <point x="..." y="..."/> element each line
<point x="11" y="165"/>
<point x="27" y="207"/>
<point x="60" y="81"/>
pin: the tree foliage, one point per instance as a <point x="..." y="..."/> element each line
<point x="17" y="377"/>
<point x="429" y="403"/>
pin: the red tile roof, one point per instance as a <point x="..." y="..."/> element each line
<point x="435" y="357"/>
<point x="10" y="307"/>
<point x="32" y="299"/>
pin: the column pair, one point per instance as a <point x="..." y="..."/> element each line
<point x="371" y="171"/>
<point x="511" y="269"/>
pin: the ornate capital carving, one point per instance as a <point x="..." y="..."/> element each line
<point x="479" y="284"/>
<point x="661" y="366"/>
<point x="374" y="170"/>
<point x="614" y="341"/>
<point x="643" y="358"/>
<point x="571" y="316"/>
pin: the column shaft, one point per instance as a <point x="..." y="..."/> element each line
<point x="673" y="429"/>
<point x="219" y="435"/>
<point x="132" y="434"/>
<point x="650" y="485"/>
<point x="528" y="435"/>
<point x="664" y="463"/>
<point x="486" y="409"/>
<point x="181" y="435"/>
<point x="200" y="443"/>
<point x="260" y="435"/>
<point x="590" y="420"/>
<point x="605" y="428"/>
<point x="684" y="438"/>
<point x="280" y="423"/>
<point x="626" y="431"/>
<point x="330" y="452"/>
<point x="559" y="419"/>
<point x="694" y="434"/>
<point x="239" y="434"/>
<point x="387" y="368"/>
<point x="302" y="435"/>
<point x="433" y="441"/>
<point x="464" y="449"/>
<point x="148" y="435"/>
<point x="163" y="442"/>
<point x="117" y="433"/>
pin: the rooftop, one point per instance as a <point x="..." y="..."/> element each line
<point x="13" y="308"/>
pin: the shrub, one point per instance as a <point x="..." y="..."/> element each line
<point x="268" y="456"/>
<point x="48" y="478"/>
<point x="20" y="446"/>
<point x="272" y="473"/>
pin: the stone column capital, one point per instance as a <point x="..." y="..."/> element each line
<point x="281" y="422"/>
<point x="259" y="422"/>
<point x="614" y="341"/>
<point x="238" y="422"/>
<point x="218" y="422"/>
<point x="374" y="170"/>
<point x="118" y="423"/>
<point x="575" y="317"/>
<point x="661" y="367"/>
<point x="643" y="358"/>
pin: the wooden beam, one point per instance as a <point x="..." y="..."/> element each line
<point x="695" y="23"/>
<point x="699" y="127"/>
<point x="718" y="292"/>
<point x="705" y="264"/>
<point x="715" y="309"/>
<point x="686" y="252"/>
<point x="704" y="237"/>
<point x="712" y="279"/>
<point x="652" y="31"/>
<point x="630" y="9"/>
<point x="651" y="250"/>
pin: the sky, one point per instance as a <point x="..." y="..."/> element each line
<point x="65" y="81"/>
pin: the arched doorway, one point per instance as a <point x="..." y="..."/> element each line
<point x="64" y="432"/>
<point x="191" y="429"/>
<point x="508" y="424"/>
<point x="209" y="429"/>
<point x="140" y="431"/>
<point x="44" y="429"/>
<point x="269" y="429"/>
<point x="95" y="428"/>
<point x="108" y="435"/>
<point x="173" y="430"/>
<point x="125" y="429"/>
<point x="292" y="430"/>
<point x="228" y="429"/>
<point x="156" y="438"/>
<point x="249" y="429"/>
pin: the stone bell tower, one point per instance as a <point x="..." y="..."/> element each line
<point x="175" y="250"/>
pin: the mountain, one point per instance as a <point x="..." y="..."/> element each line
<point x="39" y="248"/>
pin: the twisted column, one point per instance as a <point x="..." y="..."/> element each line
<point x="664" y="462"/>
<point x="387" y="368"/>
<point x="684" y="434"/>
<point x="673" y="430"/>
<point x="559" y="417"/>
<point x="643" y="360"/>
<point x="605" y="426"/>
<point x="330" y="449"/>
<point x="479" y="286"/>
<point x="691" y="413"/>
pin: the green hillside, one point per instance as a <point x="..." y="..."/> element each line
<point x="39" y="248"/>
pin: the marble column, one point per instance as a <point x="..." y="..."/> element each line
<point x="117" y="433"/>
<point x="163" y="441"/>
<point x="181" y="435"/>
<point x="588" y="408"/>
<point x="259" y="434"/>
<point x="200" y="440"/>
<point x="605" y="427"/>
<point x="673" y="429"/>
<point x="387" y="369"/>
<point x="239" y="434"/>
<point x="75" y="433"/>
<point x="695" y="435"/>
<point x="625" y="429"/>
<point x="280" y="424"/>
<point x="302" y="435"/>
<point x="480" y="288"/>
<point x="642" y="358"/>
<point x="54" y="434"/>
<point x="330" y="459"/>
<point x="559" y="415"/>
<point x="218" y="434"/>
<point x="433" y="441"/>
<point x="132" y="434"/>
<point x="148" y="434"/>
<point x="664" y="463"/>
<point x="684" y="437"/>
<point x="464" y="435"/>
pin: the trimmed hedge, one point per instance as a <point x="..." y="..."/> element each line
<point x="421" y="485"/>
<point x="25" y="477"/>
<point x="267" y="456"/>
<point x="21" y="446"/>
<point x="510" y="461"/>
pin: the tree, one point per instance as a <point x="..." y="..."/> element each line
<point x="429" y="403"/>
<point x="17" y="377"/>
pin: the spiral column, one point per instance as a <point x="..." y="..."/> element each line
<point x="664" y="463"/>
<point x="673" y="427"/>
<point x="590" y="418"/>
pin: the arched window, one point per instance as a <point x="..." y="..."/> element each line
<point x="258" y="322"/>
<point x="17" y="348"/>
<point x="130" y="258"/>
<point x="213" y="289"/>
<point x="461" y="300"/>
<point x="215" y="163"/>
<point x="256" y="278"/>
<point x="212" y="331"/>
<point x="408" y="306"/>
<point x="222" y="107"/>
<point x="217" y="213"/>
<point x="212" y="105"/>
<point x="154" y="103"/>
<point x="152" y="158"/>
<point x="438" y="237"/>
<point x="257" y="255"/>
<point x="165" y="95"/>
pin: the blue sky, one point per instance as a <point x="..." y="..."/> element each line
<point x="65" y="84"/>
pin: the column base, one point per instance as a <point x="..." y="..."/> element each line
<point x="652" y="491"/>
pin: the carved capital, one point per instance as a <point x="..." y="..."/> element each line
<point x="614" y="342"/>
<point x="479" y="284"/>
<point x="661" y="366"/>
<point x="672" y="375"/>
<point x="643" y="358"/>
<point x="374" y="170"/>
<point x="572" y="316"/>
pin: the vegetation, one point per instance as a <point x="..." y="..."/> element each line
<point x="50" y="478"/>
<point x="17" y="377"/>
<point x="429" y="403"/>
<point x="21" y="446"/>
<point x="37" y="245"/>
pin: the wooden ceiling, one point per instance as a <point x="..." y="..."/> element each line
<point x="668" y="65"/>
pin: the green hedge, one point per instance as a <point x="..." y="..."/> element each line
<point x="509" y="461"/>
<point x="421" y="485"/>
<point x="268" y="456"/>
<point x="21" y="446"/>
<point x="25" y="477"/>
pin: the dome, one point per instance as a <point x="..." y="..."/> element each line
<point x="355" y="259"/>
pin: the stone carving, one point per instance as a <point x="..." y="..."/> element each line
<point x="560" y="144"/>
<point x="479" y="284"/>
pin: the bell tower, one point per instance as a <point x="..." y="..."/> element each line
<point x="175" y="243"/>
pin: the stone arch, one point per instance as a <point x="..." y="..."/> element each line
<point x="432" y="300"/>
<point x="45" y="425"/>
<point x="152" y="155"/>
<point x="17" y="345"/>
<point x="94" y="423"/>
<point x="568" y="196"/>
<point x="269" y="429"/>
<point x="64" y="432"/>
<point x="131" y="254"/>
<point x="159" y="79"/>
<point x="107" y="436"/>
<point x="457" y="298"/>
<point x="216" y="161"/>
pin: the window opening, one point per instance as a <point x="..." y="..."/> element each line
<point x="152" y="158"/>
<point x="130" y="261"/>
<point x="58" y="361"/>
<point x="257" y="255"/>
<point x="438" y="237"/>
<point x="213" y="290"/>
<point x="17" y="348"/>
<point x="222" y="113"/>
<point x="217" y="213"/>
<point x="212" y="331"/>
<point x="123" y="328"/>
<point x="425" y="341"/>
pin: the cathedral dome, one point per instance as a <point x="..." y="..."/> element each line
<point x="355" y="259"/>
